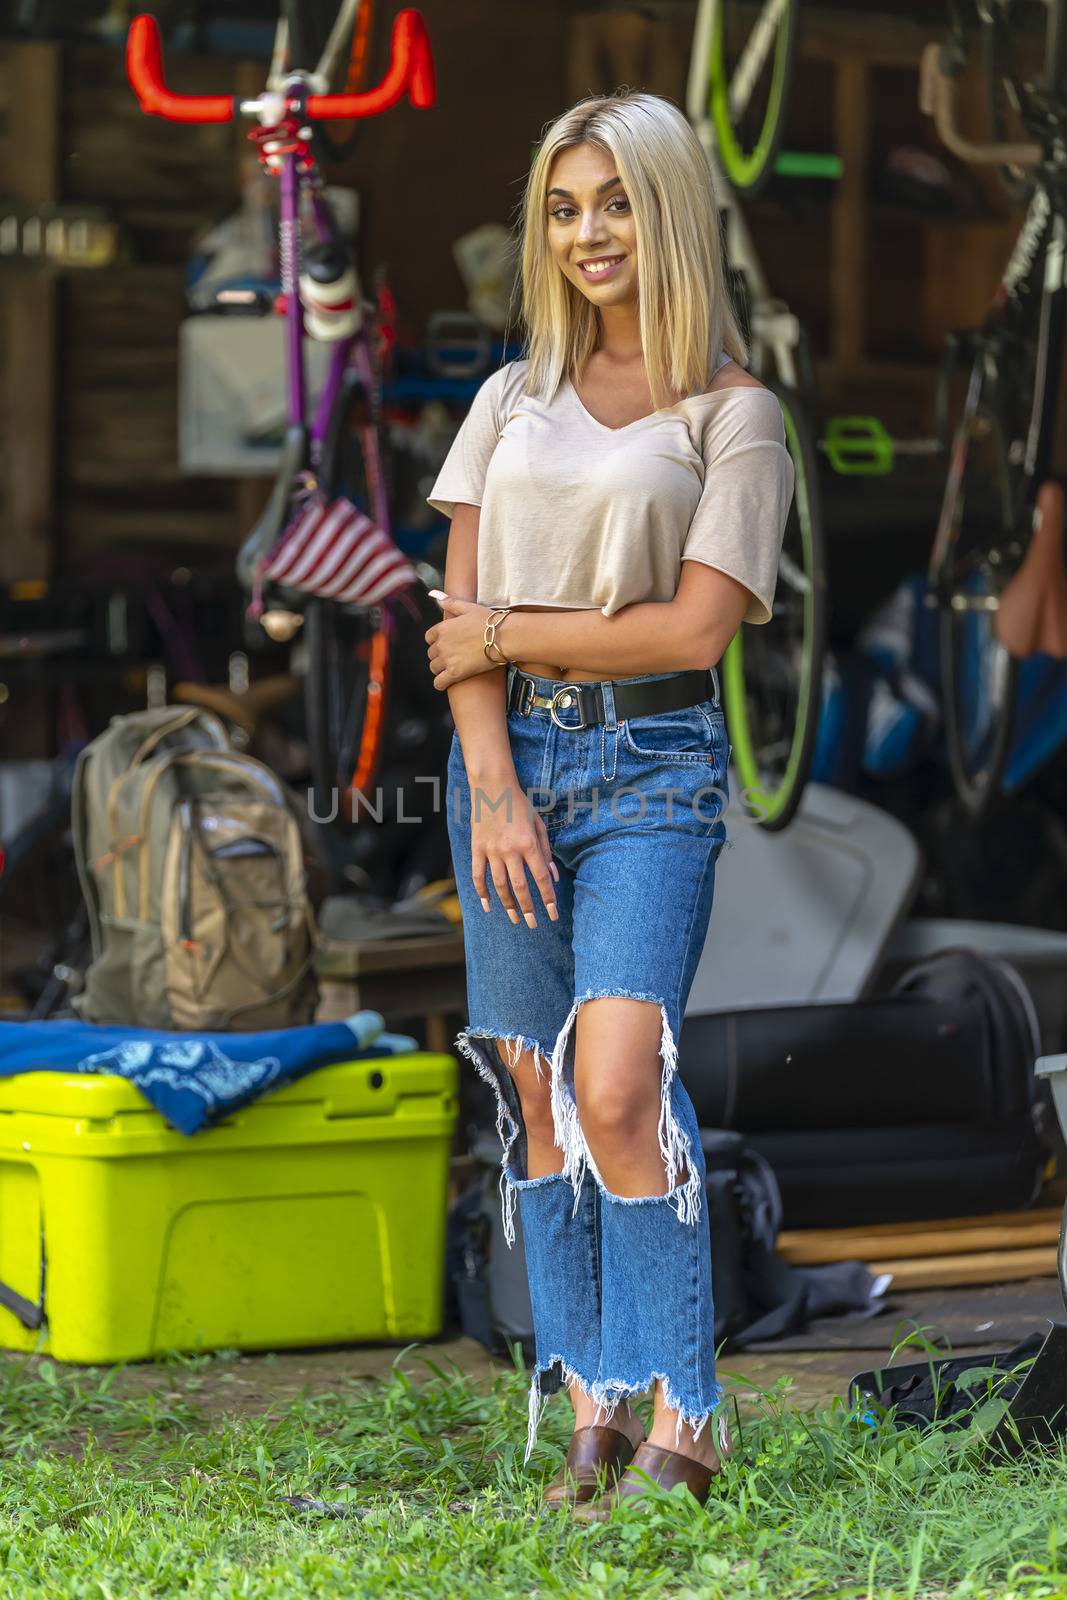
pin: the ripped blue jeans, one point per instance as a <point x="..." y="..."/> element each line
<point x="620" y="1287"/>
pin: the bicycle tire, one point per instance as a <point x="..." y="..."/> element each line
<point x="749" y="162"/>
<point x="782" y="653"/>
<point x="331" y="687"/>
<point x="347" y="692"/>
<point x="977" y="781"/>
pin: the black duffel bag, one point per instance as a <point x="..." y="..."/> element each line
<point x="917" y="1104"/>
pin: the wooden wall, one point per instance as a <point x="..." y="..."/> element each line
<point x="88" y="447"/>
<point x="88" y="405"/>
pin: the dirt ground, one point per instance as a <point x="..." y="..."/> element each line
<point x="994" y="1317"/>
<point x="253" y="1383"/>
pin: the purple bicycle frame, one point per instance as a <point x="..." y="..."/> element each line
<point x="353" y="351"/>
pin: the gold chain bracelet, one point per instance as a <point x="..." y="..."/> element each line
<point x="492" y="623"/>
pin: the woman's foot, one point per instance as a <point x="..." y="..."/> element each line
<point x="594" y="1461"/>
<point x="665" y="1467"/>
<point x="598" y="1452"/>
<point x="710" y="1448"/>
<point x="587" y="1414"/>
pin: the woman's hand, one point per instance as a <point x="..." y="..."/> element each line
<point x="456" y="646"/>
<point x="508" y="837"/>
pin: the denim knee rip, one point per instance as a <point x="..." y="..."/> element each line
<point x="475" y="1045"/>
<point x="674" y="1143"/>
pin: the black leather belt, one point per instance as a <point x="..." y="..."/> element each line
<point x="631" y="699"/>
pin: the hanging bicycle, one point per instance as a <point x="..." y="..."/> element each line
<point x="316" y="559"/>
<point x="739" y="75"/>
<point x="996" y="571"/>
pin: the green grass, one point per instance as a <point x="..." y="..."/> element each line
<point x="110" y="1493"/>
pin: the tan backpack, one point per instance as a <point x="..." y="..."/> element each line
<point x="192" y="863"/>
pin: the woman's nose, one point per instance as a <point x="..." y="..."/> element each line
<point x="591" y="230"/>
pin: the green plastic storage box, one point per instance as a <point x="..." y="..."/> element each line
<point x="314" y="1216"/>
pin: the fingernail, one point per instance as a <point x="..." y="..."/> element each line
<point x="485" y="903"/>
<point x="552" y="911"/>
<point x="554" y="870"/>
<point x="514" y="915"/>
<point x="531" y="920"/>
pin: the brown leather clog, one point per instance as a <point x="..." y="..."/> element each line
<point x="595" y="1458"/>
<point x="665" y="1467"/>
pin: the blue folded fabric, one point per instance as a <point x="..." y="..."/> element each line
<point x="193" y="1079"/>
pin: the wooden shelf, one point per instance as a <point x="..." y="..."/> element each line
<point x="1002" y="1247"/>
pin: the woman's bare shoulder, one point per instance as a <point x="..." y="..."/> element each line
<point x="734" y="376"/>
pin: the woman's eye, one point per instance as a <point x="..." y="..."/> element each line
<point x="562" y="212"/>
<point x="625" y="204"/>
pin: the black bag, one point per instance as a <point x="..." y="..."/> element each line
<point x="1028" y="1384"/>
<point x="946" y="1388"/>
<point x="756" y="1294"/>
<point x="917" y="1104"/>
<point x="487" y="1294"/>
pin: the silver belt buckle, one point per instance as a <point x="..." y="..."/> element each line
<point x="563" y="697"/>
<point x="526" y="697"/>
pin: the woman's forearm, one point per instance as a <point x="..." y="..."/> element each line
<point x="478" y="713"/>
<point x="477" y="704"/>
<point x="648" y="636"/>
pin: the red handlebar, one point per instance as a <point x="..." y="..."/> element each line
<point x="410" y="71"/>
<point x="144" y="68"/>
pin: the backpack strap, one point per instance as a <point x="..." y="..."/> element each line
<point x="80" y="833"/>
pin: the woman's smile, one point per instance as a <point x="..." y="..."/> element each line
<point x="600" y="267"/>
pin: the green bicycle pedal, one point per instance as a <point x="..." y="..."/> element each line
<point x="858" y="446"/>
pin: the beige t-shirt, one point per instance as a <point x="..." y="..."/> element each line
<point x="577" y="514"/>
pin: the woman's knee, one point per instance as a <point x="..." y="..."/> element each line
<point x="617" y="1074"/>
<point x="619" y="1114"/>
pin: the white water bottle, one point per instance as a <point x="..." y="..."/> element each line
<point x="330" y="291"/>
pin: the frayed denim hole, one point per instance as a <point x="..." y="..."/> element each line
<point x="482" y="1049"/>
<point x="674" y="1143"/>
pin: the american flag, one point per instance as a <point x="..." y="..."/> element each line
<point x="332" y="550"/>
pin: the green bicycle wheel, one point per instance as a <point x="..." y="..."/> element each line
<point x="772" y="675"/>
<point x="751" y="68"/>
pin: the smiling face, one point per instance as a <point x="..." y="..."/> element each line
<point x="590" y="225"/>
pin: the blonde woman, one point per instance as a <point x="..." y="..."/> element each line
<point x="618" y="501"/>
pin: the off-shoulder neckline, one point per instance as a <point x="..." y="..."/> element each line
<point x="729" y="388"/>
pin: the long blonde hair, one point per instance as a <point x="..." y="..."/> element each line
<point x="686" y="317"/>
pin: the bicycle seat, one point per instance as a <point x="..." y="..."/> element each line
<point x="1032" y="615"/>
<point x="243" y="710"/>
